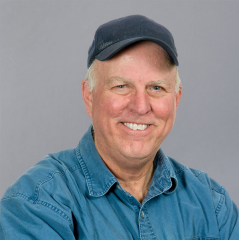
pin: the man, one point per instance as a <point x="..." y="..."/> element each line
<point x="117" y="183"/>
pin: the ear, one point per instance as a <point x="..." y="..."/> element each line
<point x="87" y="96"/>
<point x="179" y="94"/>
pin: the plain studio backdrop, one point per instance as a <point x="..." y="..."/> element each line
<point x="44" y="47"/>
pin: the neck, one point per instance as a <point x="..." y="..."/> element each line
<point x="134" y="175"/>
<point x="134" y="181"/>
<point x="137" y="185"/>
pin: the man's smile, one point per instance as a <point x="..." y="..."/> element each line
<point x="134" y="126"/>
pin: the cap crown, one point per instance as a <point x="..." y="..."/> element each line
<point x="115" y="35"/>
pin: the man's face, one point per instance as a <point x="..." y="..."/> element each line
<point x="133" y="105"/>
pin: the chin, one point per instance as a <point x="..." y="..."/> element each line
<point x="138" y="152"/>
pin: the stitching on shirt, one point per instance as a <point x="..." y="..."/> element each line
<point x="152" y="234"/>
<point x="164" y="168"/>
<point x="74" y="168"/>
<point x="130" y="198"/>
<point x="188" y="169"/>
<point x="40" y="183"/>
<point x="198" y="173"/>
<point x="180" y="170"/>
<point x="88" y="178"/>
<point x="166" y="174"/>
<point x="219" y="206"/>
<point x="106" y="189"/>
<point x="34" y="199"/>
<point x="56" y="210"/>
<point x="50" y="206"/>
<point x="85" y="170"/>
<point x="219" y="190"/>
<point x="50" y="177"/>
<point x="18" y="195"/>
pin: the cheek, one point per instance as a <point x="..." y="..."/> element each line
<point x="113" y="106"/>
<point x="164" y="109"/>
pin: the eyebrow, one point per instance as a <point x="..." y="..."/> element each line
<point x="120" y="79"/>
<point x="127" y="80"/>
<point x="157" y="82"/>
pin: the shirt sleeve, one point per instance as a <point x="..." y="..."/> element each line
<point x="227" y="213"/>
<point x="21" y="218"/>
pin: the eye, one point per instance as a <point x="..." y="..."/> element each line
<point x="122" y="89"/>
<point x="121" y="86"/>
<point x="156" y="88"/>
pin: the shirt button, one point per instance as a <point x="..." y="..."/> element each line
<point x="142" y="214"/>
<point x="118" y="186"/>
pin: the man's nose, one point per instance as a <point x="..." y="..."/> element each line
<point x="140" y="103"/>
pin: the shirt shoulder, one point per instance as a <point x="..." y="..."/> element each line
<point x="199" y="178"/>
<point x="54" y="170"/>
<point x="43" y="196"/>
<point x="225" y="210"/>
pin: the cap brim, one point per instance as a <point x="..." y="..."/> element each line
<point x="116" y="47"/>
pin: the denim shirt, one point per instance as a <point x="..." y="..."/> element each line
<point x="73" y="195"/>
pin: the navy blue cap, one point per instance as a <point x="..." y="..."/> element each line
<point x="117" y="34"/>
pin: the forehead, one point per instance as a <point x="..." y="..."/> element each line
<point x="145" y="50"/>
<point x="146" y="58"/>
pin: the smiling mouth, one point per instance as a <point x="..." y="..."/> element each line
<point x="134" y="126"/>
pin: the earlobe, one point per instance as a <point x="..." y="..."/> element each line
<point x="179" y="94"/>
<point x="87" y="96"/>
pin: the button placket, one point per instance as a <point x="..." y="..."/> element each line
<point x="146" y="230"/>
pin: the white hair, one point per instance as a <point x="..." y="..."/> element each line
<point x="178" y="81"/>
<point x="91" y="78"/>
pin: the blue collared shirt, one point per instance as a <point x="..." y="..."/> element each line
<point x="72" y="195"/>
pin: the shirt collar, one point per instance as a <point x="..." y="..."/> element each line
<point x="99" y="179"/>
<point x="164" y="175"/>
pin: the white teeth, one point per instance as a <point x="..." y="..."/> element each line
<point x="135" y="126"/>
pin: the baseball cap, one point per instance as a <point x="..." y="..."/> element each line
<point x="117" y="34"/>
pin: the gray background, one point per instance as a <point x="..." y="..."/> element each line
<point x="44" y="48"/>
